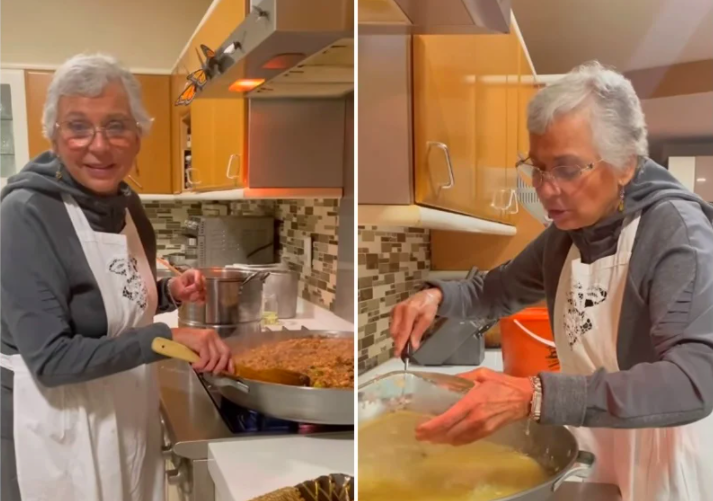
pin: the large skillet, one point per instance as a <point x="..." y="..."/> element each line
<point x="553" y="447"/>
<point x="292" y="403"/>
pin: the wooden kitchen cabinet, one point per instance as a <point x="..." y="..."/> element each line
<point x="445" y="128"/>
<point x="218" y="127"/>
<point x="152" y="171"/>
<point x="465" y="100"/>
<point x="36" y="85"/>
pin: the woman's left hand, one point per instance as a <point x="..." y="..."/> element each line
<point x="496" y="400"/>
<point x="189" y="287"/>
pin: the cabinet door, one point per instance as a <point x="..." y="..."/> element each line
<point x="36" y="85"/>
<point x="152" y="171"/>
<point x="498" y="70"/>
<point x="202" y="145"/>
<point x="229" y="130"/>
<point x="445" y="122"/>
<point x="218" y="126"/>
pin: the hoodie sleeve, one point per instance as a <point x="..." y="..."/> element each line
<point x="500" y="292"/>
<point x="677" y="388"/>
<point x="33" y="292"/>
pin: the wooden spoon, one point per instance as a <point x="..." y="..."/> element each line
<point x="172" y="349"/>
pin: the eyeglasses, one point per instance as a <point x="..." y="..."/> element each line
<point x="562" y="175"/>
<point x="81" y="133"/>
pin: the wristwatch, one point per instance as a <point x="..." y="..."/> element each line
<point x="536" y="402"/>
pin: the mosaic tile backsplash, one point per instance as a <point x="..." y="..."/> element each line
<point x="297" y="220"/>
<point x="393" y="263"/>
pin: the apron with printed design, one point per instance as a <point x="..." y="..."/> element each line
<point x="653" y="464"/>
<point x="99" y="440"/>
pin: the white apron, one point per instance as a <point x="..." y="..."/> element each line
<point x="663" y="464"/>
<point x="99" y="440"/>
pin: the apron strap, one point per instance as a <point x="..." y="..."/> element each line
<point x="76" y="215"/>
<point x="628" y="233"/>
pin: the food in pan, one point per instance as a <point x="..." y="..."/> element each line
<point x="393" y="466"/>
<point x="328" y="361"/>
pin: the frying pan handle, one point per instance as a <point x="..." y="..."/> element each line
<point x="172" y="349"/>
<point x="220" y="382"/>
<point x="582" y="468"/>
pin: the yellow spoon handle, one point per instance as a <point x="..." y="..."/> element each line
<point x="172" y="349"/>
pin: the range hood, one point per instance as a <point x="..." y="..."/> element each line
<point x="433" y="17"/>
<point x="288" y="49"/>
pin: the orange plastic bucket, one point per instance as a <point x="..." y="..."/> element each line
<point x="528" y="344"/>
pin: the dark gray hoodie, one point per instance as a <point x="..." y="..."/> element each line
<point x="665" y="338"/>
<point x="52" y="312"/>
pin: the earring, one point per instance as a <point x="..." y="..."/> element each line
<point x="58" y="174"/>
<point x="621" y="199"/>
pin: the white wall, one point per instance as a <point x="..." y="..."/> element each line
<point x="143" y="34"/>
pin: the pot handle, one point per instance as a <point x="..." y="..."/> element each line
<point x="259" y="275"/>
<point x="582" y="468"/>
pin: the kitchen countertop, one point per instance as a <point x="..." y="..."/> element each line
<point x="251" y="467"/>
<point x="309" y="316"/>
<point x="493" y="360"/>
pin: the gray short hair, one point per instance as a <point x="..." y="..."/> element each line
<point x="617" y="120"/>
<point x="88" y="75"/>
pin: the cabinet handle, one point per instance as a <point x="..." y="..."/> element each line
<point x="135" y="181"/>
<point x="189" y="173"/>
<point x="230" y="164"/>
<point x="447" y="153"/>
<point x="136" y="165"/>
<point x="497" y="202"/>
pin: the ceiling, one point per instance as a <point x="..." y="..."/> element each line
<point x="142" y="34"/>
<point x="626" y="34"/>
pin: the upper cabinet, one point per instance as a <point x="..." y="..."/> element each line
<point x="210" y="135"/>
<point x="151" y="172"/>
<point x="466" y="117"/>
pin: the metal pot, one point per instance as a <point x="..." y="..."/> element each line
<point x="553" y="447"/>
<point x="282" y="282"/>
<point x="232" y="297"/>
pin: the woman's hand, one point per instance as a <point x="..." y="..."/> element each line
<point x="189" y="287"/>
<point x="496" y="400"/>
<point x="411" y="318"/>
<point x="215" y="354"/>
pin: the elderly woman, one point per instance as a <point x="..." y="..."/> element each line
<point x="627" y="272"/>
<point x="79" y="294"/>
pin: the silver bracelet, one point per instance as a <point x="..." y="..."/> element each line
<point x="536" y="402"/>
<point x="170" y="294"/>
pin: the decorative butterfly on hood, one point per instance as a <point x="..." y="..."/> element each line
<point x="213" y="65"/>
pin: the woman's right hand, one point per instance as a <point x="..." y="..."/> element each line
<point x="215" y="354"/>
<point x="411" y="318"/>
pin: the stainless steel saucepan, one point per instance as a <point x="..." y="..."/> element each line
<point x="232" y="297"/>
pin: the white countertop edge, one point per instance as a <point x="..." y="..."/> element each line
<point x="247" y="468"/>
<point x="241" y="194"/>
<point x="415" y="216"/>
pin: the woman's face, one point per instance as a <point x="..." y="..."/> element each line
<point x="590" y="197"/>
<point x="98" y="160"/>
